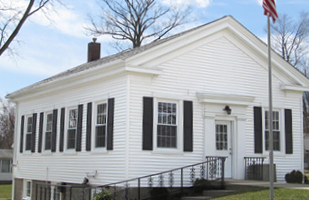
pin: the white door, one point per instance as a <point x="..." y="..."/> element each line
<point x="224" y="145"/>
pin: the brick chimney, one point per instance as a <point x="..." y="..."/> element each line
<point x="94" y="50"/>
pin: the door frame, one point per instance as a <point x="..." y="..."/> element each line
<point x="210" y="139"/>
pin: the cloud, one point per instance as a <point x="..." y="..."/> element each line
<point x="65" y="20"/>
<point x="203" y="3"/>
<point x="198" y="3"/>
<point x="260" y="2"/>
<point x="55" y="16"/>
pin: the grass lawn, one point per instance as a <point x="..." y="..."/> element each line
<point x="279" y="194"/>
<point x="6" y="191"/>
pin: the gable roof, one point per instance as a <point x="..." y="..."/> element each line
<point x="127" y="54"/>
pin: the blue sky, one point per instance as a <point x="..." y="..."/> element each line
<point x="46" y="49"/>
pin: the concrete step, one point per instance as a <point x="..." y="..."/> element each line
<point x="196" y="198"/>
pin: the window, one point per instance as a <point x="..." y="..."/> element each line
<point x="29" y="133"/>
<point x="27" y="189"/>
<point x="71" y="139"/>
<point x="100" y="130"/>
<point x="221" y="137"/>
<point x="48" y="131"/>
<point x="276" y="131"/>
<point x="167" y="125"/>
<point x="6" y="166"/>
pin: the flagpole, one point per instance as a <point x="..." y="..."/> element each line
<point x="270" y="117"/>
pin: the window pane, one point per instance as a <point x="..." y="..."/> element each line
<point x="6" y="166"/>
<point x="47" y="140"/>
<point x="276" y="131"/>
<point x="28" y="141"/>
<point x="29" y="125"/>
<point x="28" y="189"/>
<point x="100" y="136"/>
<point x="71" y="139"/>
<point x="49" y="122"/>
<point x="73" y="118"/>
<point x="221" y="137"/>
<point x="276" y="140"/>
<point x="166" y="136"/>
<point x="101" y="114"/>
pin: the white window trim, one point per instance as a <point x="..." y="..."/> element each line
<point x="66" y="128"/>
<point x="26" y="133"/>
<point x="179" y="122"/>
<point x="95" y="149"/>
<point x="281" y="129"/>
<point x="44" y="132"/>
<point x="25" y="189"/>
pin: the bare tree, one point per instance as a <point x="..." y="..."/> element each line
<point x="13" y="17"/>
<point x="7" y="123"/>
<point x="137" y="20"/>
<point x="290" y="37"/>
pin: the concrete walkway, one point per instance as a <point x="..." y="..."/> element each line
<point x="266" y="184"/>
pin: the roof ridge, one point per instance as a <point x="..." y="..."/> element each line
<point x="107" y="59"/>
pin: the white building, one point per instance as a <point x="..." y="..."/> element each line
<point x="6" y="160"/>
<point x="159" y="107"/>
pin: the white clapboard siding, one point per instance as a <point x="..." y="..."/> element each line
<point x="72" y="168"/>
<point x="219" y="66"/>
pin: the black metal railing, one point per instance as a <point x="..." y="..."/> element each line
<point x="48" y="191"/>
<point x="254" y="168"/>
<point x="169" y="182"/>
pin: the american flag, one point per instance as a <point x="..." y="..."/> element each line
<point x="270" y="9"/>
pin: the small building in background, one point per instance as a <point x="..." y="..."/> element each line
<point x="6" y="160"/>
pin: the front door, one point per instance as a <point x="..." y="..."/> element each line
<point x="224" y="145"/>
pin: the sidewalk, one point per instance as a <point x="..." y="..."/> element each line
<point x="266" y="184"/>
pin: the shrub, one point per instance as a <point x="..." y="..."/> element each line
<point x="103" y="195"/>
<point x="159" y="193"/>
<point x="200" y="185"/>
<point x="294" y="177"/>
<point x="306" y="179"/>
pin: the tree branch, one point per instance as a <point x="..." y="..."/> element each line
<point x="18" y="27"/>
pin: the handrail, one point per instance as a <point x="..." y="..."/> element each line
<point x="175" y="180"/>
<point x="133" y="179"/>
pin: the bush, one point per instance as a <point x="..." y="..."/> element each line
<point x="103" y="195"/>
<point x="294" y="177"/>
<point x="159" y="193"/>
<point x="200" y="185"/>
<point x="306" y="179"/>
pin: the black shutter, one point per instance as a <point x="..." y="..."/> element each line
<point x="188" y="126"/>
<point x="258" y="130"/>
<point x="62" y="117"/>
<point x="21" y="134"/>
<point x="88" y="128"/>
<point x="147" y="123"/>
<point x="54" y="130"/>
<point x="110" y="124"/>
<point x="33" y="132"/>
<point x="40" y="132"/>
<point x="288" y="131"/>
<point x="79" y="128"/>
